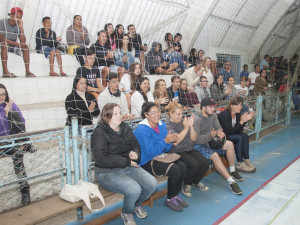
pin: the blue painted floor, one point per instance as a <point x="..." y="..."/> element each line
<point x="270" y="155"/>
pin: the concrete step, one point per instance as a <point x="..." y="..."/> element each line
<point x="46" y="89"/>
<point x="39" y="65"/>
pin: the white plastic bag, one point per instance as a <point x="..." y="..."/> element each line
<point x="82" y="191"/>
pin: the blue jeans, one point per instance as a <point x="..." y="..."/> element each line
<point x="176" y="58"/>
<point x="241" y="145"/>
<point x="134" y="183"/>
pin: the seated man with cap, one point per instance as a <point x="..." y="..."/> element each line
<point x="208" y="128"/>
<point x="10" y="30"/>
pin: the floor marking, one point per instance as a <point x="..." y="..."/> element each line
<point x="253" y="193"/>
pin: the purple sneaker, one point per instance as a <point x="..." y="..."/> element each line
<point x="173" y="204"/>
<point x="181" y="202"/>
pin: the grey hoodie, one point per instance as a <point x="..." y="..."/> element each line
<point x="204" y="125"/>
<point x="153" y="58"/>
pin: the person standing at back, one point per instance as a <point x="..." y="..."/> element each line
<point x="136" y="40"/>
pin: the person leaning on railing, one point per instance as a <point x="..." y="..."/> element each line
<point x="117" y="153"/>
<point x="11" y="120"/>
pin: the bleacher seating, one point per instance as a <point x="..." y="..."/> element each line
<point x="41" y="99"/>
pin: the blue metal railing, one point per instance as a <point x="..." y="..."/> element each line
<point x="75" y="159"/>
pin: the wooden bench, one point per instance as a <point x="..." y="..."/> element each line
<point x="46" y="209"/>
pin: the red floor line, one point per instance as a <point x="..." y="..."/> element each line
<point x="253" y="193"/>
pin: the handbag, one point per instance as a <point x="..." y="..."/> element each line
<point x="217" y="142"/>
<point x="82" y="191"/>
<point x="165" y="158"/>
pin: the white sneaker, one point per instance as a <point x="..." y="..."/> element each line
<point x="140" y="212"/>
<point x="128" y="219"/>
<point x="200" y="186"/>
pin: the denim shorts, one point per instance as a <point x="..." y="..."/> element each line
<point x="46" y="50"/>
<point x="15" y="50"/>
<point x="207" y="151"/>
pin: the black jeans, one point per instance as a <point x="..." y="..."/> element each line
<point x="196" y="164"/>
<point x="80" y="53"/>
<point x="17" y="157"/>
<point x="176" y="175"/>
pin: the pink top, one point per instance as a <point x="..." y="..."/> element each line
<point x="156" y="128"/>
<point x="113" y="46"/>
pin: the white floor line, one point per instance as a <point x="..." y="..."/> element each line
<point x="277" y="203"/>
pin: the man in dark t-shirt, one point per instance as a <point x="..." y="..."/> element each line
<point x="91" y="74"/>
<point x="105" y="59"/>
<point x="137" y="44"/>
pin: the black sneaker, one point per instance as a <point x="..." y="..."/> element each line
<point x="234" y="187"/>
<point x="236" y="176"/>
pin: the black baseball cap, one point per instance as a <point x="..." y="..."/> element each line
<point x="207" y="101"/>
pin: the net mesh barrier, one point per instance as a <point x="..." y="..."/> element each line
<point x="30" y="167"/>
<point x="228" y="40"/>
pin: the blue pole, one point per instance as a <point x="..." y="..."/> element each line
<point x="84" y="154"/>
<point x="258" y="115"/>
<point x="75" y="149"/>
<point x="67" y="155"/>
<point x="288" y="109"/>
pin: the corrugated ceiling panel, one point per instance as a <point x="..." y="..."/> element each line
<point x="237" y="38"/>
<point x="218" y="30"/>
<point x="227" y="9"/>
<point x="253" y="12"/>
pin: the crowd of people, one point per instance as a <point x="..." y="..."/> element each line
<point x="110" y="83"/>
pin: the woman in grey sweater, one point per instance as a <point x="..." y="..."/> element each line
<point x="196" y="163"/>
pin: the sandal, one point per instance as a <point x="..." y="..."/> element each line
<point x="30" y="75"/>
<point x="9" y="75"/>
<point x="53" y="74"/>
<point x="63" y="74"/>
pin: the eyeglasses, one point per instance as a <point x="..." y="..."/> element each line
<point x="3" y="95"/>
<point x="204" y="81"/>
<point x="154" y="113"/>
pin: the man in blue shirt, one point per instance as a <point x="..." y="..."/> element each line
<point x="175" y="93"/>
<point x="245" y="72"/>
<point x="226" y="71"/>
<point x="264" y="64"/>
